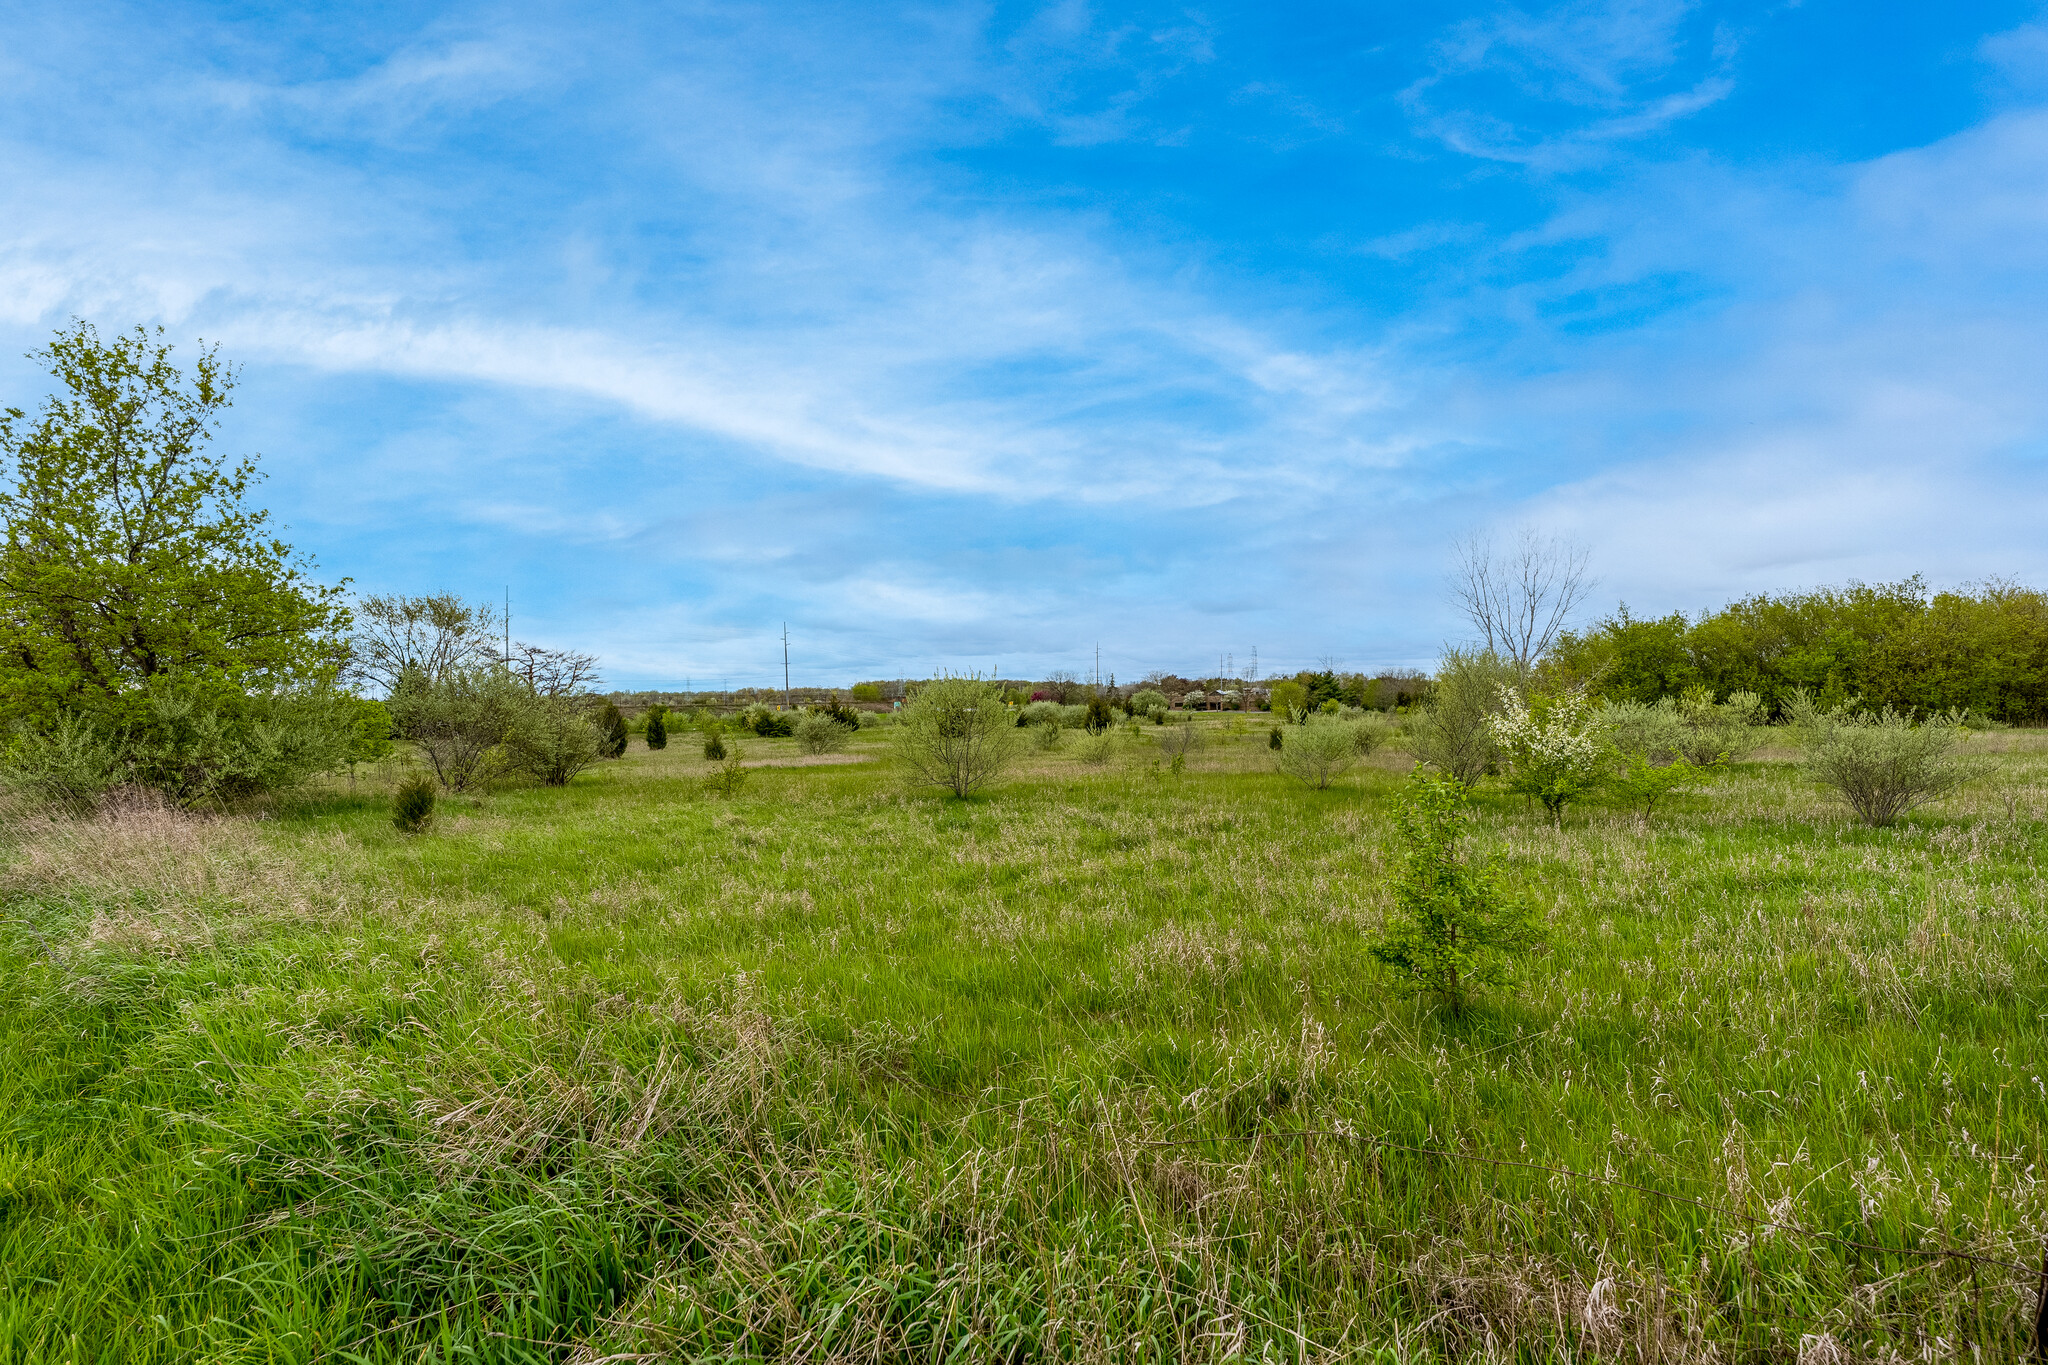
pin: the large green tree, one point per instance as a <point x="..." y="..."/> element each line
<point x="132" y="556"/>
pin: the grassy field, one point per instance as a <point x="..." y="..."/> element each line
<point x="1094" y="1067"/>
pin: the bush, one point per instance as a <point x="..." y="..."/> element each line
<point x="731" y="776"/>
<point x="957" y="734"/>
<point x="1553" y="752"/>
<point x="1097" y="748"/>
<point x="1098" y="717"/>
<point x="1287" y="697"/>
<point x="611" y="731"/>
<point x="459" y="718"/>
<point x="867" y="692"/>
<point x="70" y="764"/>
<point x="766" y="721"/>
<point x="553" y="740"/>
<point x="657" y="729"/>
<point x="1881" y="763"/>
<point x="1274" y="740"/>
<point x="412" y="805"/>
<point x="1038" y="713"/>
<point x="714" y="744"/>
<point x="1642" y="783"/>
<point x="1319" y="752"/>
<point x="1369" y="732"/>
<point x="370" y="735"/>
<point x="1178" y="742"/>
<point x="1451" y="733"/>
<point x="1146" y="700"/>
<point x="1711" y="731"/>
<point x="1453" y="927"/>
<point x="1652" y="731"/>
<point x="1045" y="736"/>
<point x="819" y="733"/>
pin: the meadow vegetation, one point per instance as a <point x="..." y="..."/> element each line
<point x="1106" y="1062"/>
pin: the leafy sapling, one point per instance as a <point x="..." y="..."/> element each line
<point x="1553" y="753"/>
<point x="1454" y="927"/>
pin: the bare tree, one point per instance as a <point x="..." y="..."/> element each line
<point x="436" y="634"/>
<point x="1518" y="598"/>
<point x="553" y="672"/>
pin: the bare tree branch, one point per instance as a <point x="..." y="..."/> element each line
<point x="434" y="634"/>
<point x="553" y="672"/>
<point x="1518" y="598"/>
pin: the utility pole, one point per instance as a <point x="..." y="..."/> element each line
<point x="508" y="626"/>
<point x="785" y="665"/>
<point x="1098" y="664"/>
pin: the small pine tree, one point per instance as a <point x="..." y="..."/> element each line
<point x="657" y="730"/>
<point x="1273" y="739"/>
<point x="412" y="806"/>
<point x="1098" y="715"/>
<point x="1454" y="926"/>
<point x="714" y="745"/>
<point x="611" y="727"/>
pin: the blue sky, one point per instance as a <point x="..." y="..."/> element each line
<point x="970" y="336"/>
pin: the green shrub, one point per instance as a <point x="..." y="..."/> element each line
<point x="371" y="735"/>
<point x="1369" y="732"/>
<point x="1881" y="763"/>
<point x="1038" y="713"/>
<point x="412" y="805"/>
<point x="1450" y="733"/>
<point x="551" y="739"/>
<point x="1319" y="752"/>
<point x="459" y="718"/>
<point x="611" y="730"/>
<point x="1454" y="928"/>
<point x="766" y="721"/>
<point x="1651" y="730"/>
<point x="1710" y="730"/>
<point x="1642" y="783"/>
<point x="657" y="729"/>
<point x="1274" y="740"/>
<point x="1045" y="736"/>
<point x="1287" y="697"/>
<point x="714" y="744"/>
<point x="1097" y="748"/>
<point x="731" y="776"/>
<point x="70" y="764"/>
<point x="1146" y="700"/>
<point x="867" y="692"/>
<point x="957" y="734"/>
<point x="1098" y="718"/>
<point x="819" y="733"/>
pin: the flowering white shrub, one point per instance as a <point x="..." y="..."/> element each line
<point x="1555" y="756"/>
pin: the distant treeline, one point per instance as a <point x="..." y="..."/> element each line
<point x="1891" y="644"/>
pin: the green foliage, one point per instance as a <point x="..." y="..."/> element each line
<point x="70" y="764"/>
<point x="1983" y="650"/>
<point x="611" y="731"/>
<point x="189" y="743"/>
<point x="1370" y="732"/>
<point x="552" y="739"/>
<point x="1642" y="783"/>
<point x="1451" y="732"/>
<point x="766" y="721"/>
<point x="731" y="777"/>
<point x="1098" y="748"/>
<point x="1650" y="729"/>
<point x="131" y="556"/>
<point x="412" y="805"/>
<point x="1099" y="717"/>
<point x="1146" y="700"/>
<point x="956" y="734"/>
<point x="714" y="743"/>
<point x="1553" y="749"/>
<point x="1286" y="697"/>
<point x="459" y="718"/>
<point x="867" y="692"/>
<point x="657" y="728"/>
<point x="1319" y="752"/>
<point x="820" y="732"/>
<point x="1710" y="731"/>
<point x="1454" y="928"/>
<point x="1046" y="735"/>
<point x="1881" y="763"/>
<point x="1274" y="740"/>
<point x="370" y="738"/>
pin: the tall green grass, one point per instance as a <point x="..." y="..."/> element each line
<point x="1095" y="1067"/>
